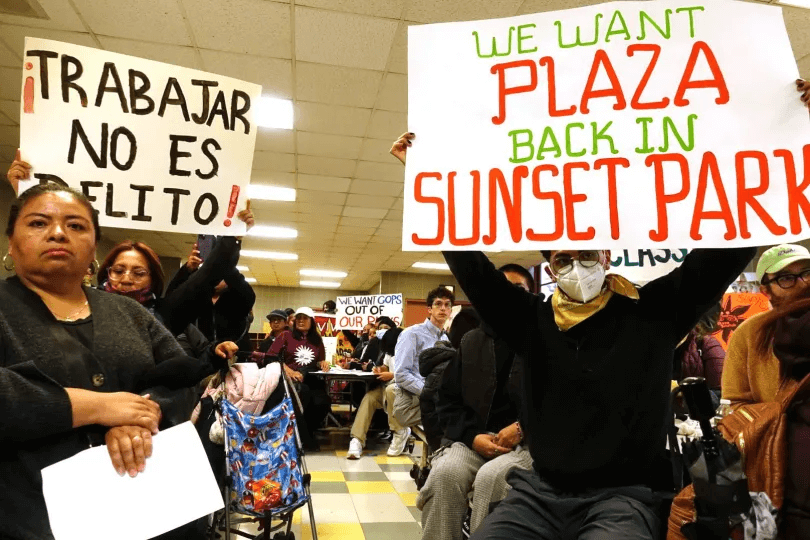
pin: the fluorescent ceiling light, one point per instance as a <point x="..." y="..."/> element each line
<point x="797" y="3"/>
<point x="267" y="231"/>
<point x="258" y="192"/>
<point x="250" y="279"/>
<point x="274" y="112"/>
<point x="324" y="284"/>
<point x="260" y="254"/>
<point x="431" y="266"/>
<point x="243" y="268"/>
<point x="323" y="273"/>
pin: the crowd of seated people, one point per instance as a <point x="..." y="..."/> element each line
<point x="544" y="416"/>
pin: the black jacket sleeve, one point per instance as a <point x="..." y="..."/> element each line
<point x="493" y="295"/>
<point x="188" y="292"/>
<point x="460" y="421"/>
<point x="351" y="338"/>
<point x="695" y="286"/>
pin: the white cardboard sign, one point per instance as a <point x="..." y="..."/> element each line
<point x="354" y="312"/>
<point x="154" y="146"/>
<point x="619" y="125"/>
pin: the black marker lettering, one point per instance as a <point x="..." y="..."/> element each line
<point x="203" y="116"/>
<point x="100" y="159"/>
<point x="214" y="209"/>
<point x="219" y="109"/>
<point x="168" y="100"/>
<point x="238" y="111"/>
<point x="214" y="163"/>
<point x="176" y="192"/>
<point x="142" y="190"/>
<point x="109" y="207"/>
<point x="175" y="154"/>
<point x="68" y="78"/>
<point x="139" y="93"/>
<point x="43" y="69"/>
<point x="133" y="148"/>
<point x="110" y="69"/>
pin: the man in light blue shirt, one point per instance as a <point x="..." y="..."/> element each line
<point x="409" y="381"/>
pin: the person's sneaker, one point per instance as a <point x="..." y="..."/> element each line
<point x="355" y="449"/>
<point x="399" y="442"/>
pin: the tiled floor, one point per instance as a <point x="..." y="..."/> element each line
<point x="373" y="498"/>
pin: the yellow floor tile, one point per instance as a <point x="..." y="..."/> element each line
<point x="399" y="460"/>
<point x="327" y="476"/>
<point x="341" y="453"/>
<point x="334" y="531"/>
<point x="370" y="487"/>
<point x="408" y="498"/>
<point x="296" y="520"/>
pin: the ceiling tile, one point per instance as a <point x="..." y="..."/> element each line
<point x="331" y="119"/>
<point x="274" y="161"/>
<point x="6" y="121"/>
<point x="7" y="153"/>
<point x="305" y="196"/>
<point x="11" y="109"/>
<point x="274" y="74"/>
<point x="804" y="70"/>
<point x="317" y="144"/>
<point x="323" y="183"/>
<point x="397" y="204"/>
<point x="9" y="58"/>
<point x="430" y="11"/>
<point x="338" y="85"/>
<point x="326" y="166"/>
<point x="398" y="59"/>
<point x="369" y="201"/>
<point x="388" y="125"/>
<point x="60" y="16"/>
<point x="356" y="211"/>
<point x="325" y="209"/>
<point x="10" y="136"/>
<point x="377" y="150"/>
<point x="797" y="21"/>
<point x="342" y="39"/>
<point x="390" y="9"/>
<point x="372" y="187"/>
<point x="243" y="26"/>
<point x="389" y="172"/>
<point x="275" y="140"/>
<point x="359" y="233"/>
<point x="539" y="6"/>
<point x="386" y="233"/>
<point x="394" y="93"/>
<point x="147" y="20"/>
<point x="14" y="37"/>
<point x="160" y="52"/>
<point x="360" y="222"/>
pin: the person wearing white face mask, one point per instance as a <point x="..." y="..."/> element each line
<point x="597" y="372"/>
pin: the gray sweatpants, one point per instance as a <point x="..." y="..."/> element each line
<point x="456" y="472"/>
<point x="535" y="510"/>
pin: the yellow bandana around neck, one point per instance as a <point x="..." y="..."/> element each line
<point x="568" y="313"/>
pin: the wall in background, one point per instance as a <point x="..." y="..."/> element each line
<point x="415" y="286"/>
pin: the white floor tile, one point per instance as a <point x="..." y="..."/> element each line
<point x="331" y="508"/>
<point x="381" y="508"/>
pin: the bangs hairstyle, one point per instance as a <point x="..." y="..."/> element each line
<point x="42" y="189"/>
<point x="152" y="260"/>
<point x="440" y="292"/>
<point x="313" y="336"/>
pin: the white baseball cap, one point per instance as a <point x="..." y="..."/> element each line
<point x="305" y="311"/>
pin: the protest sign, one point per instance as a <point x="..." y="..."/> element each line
<point x="619" y="125"/>
<point x="736" y="308"/>
<point x="335" y="343"/>
<point x="153" y="146"/>
<point x="644" y="265"/>
<point x="354" y="312"/>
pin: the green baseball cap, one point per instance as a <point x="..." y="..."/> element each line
<point x="778" y="257"/>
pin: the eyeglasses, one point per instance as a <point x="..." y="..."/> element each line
<point x="116" y="273"/>
<point x="562" y="263"/>
<point x="442" y="305"/>
<point x="788" y="281"/>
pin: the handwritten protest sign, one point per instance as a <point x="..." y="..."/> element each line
<point x="154" y="146"/>
<point x="354" y="312"/>
<point x="736" y="308"/>
<point x="620" y="125"/>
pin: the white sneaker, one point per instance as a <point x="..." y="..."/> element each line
<point x="399" y="442"/>
<point x="355" y="449"/>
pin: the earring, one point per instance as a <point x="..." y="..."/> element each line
<point x="6" y="259"/>
<point x="94" y="267"/>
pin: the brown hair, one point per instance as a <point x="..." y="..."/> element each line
<point x="152" y="259"/>
<point x="42" y="189"/>
<point x="764" y="340"/>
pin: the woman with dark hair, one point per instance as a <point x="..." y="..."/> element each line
<point x="76" y="364"/>
<point x="301" y="351"/>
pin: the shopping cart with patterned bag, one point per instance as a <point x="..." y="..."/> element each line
<point x="267" y="475"/>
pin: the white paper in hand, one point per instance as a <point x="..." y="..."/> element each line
<point x="87" y="499"/>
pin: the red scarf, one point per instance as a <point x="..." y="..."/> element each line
<point x="142" y="296"/>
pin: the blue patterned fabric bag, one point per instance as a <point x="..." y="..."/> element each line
<point x="262" y="458"/>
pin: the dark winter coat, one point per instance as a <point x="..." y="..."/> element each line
<point x="432" y="363"/>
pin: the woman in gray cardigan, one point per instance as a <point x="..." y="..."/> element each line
<point x="78" y="367"/>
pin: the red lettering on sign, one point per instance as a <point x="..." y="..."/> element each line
<point x="601" y="60"/>
<point x="635" y="103"/>
<point x="613" y="203"/>
<point x="570" y="199"/>
<point x="417" y="188"/>
<point x="662" y="199"/>
<point x="559" y="226"/>
<point x="747" y="196"/>
<point x="512" y="205"/>
<point x="717" y="81"/>
<point x="503" y="91"/>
